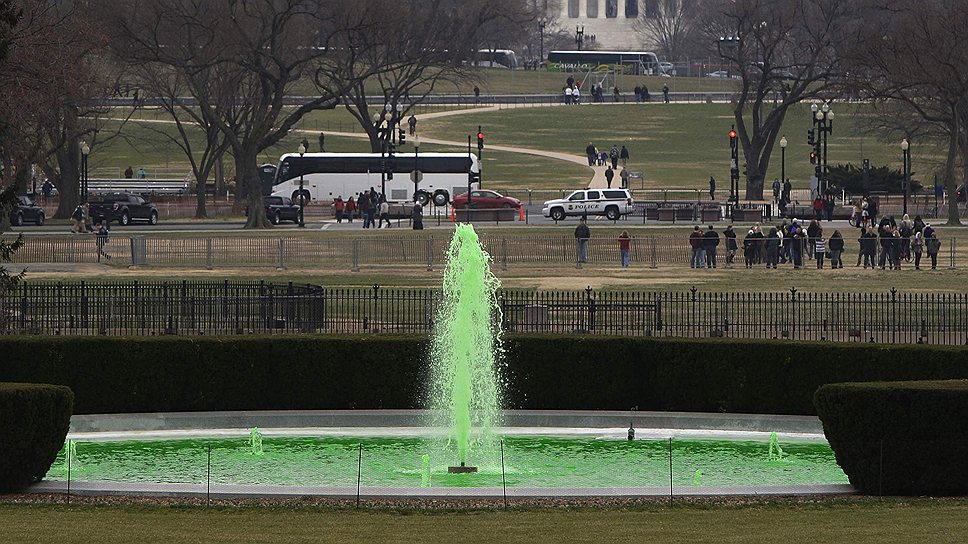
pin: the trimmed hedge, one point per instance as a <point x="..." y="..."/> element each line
<point x="379" y="372"/>
<point x="34" y="419"/>
<point x="899" y="438"/>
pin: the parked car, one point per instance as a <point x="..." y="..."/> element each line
<point x="667" y="69"/>
<point x="612" y="203"/>
<point x="123" y="208"/>
<point x="486" y="200"/>
<point x="280" y="208"/>
<point x="25" y="211"/>
<point x="719" y="74"/>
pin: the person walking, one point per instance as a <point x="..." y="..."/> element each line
<point x="712" y="188"/>
<point x="384" y="212"/>
<point x="917" y="247"/>
<point x="350" y="209"/>
<point x="787" y="190"/>
<point x="338" y="205"/>
<point x="731" y="246"/>
<point x="592" y="153"/>
<point x="748" y="244"/>
<point x="582" y="234"/>
<point x="101" y="239"/>
<point x="710" y="243"/>
<point x="322" y="142"/>
<point x="46" y="189"/>
<point x="695" y="242"/>
<point x="933" y="245"/>
<point x="613" y="155"/>
<point x="609" y="176"/>
<point x="142" y="174"/>
<point x="829" y="202"/>
<point x="623" y="155"/>
<point x="365" y="206"/>
<point x="412" y="121"/>
<point x="820" y="248"/>
<point x="128" y="172"/>
<point x="776" y="190"/>
<point x="772" y="248"/>
<point x="868" y="241"/>
<point x="416" y="217"/>
<point x="625" y="248"/>
<point x="665" y="93"/>
<point x="836" y="247"/>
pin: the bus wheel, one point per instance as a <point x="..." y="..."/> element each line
<point x="422" y="198"/>
<point x="441" y="198"/>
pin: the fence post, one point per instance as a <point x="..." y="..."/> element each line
<point x="356" y="256"/>
<point x="430" y="253"/>
<point x="281" y="265"/>
<point x="952" y="245"/>
<point x="209" y="258"/>
<point x="359" y="476"/>
<point x="655" y="263"/>
<point x="504" y="253"/>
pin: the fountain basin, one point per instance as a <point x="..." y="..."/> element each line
<point x="546" y="454"/>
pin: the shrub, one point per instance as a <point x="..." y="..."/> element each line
<point x="34" y="419"/>
<point x="166" y="374"/>
<point x="899" y="438"/>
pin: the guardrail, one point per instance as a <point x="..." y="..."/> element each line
<point x="191" y="308"/>
<point x="417" y="249"/>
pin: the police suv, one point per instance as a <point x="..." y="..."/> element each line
<point x="612" y="203"/>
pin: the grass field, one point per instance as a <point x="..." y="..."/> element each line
<point x="893" y="521"/>
<point x="675" y="145"/>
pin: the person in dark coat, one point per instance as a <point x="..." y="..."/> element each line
<point x="731" y="246"/>
<point x="417" y="217"/>
<point x="712" y="188"/>
<point x="609" y="176"/>
<point x="710" y="241"/>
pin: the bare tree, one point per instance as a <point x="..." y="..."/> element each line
<point x="913" y="55"/>
<point x="671" y="25"/>
<point x="785" y="52"/>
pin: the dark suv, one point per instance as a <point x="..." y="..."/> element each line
<point x="25" y="211"/>
<point x="280" y="208"/>
<point x="124" y="208"/>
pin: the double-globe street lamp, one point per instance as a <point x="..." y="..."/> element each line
<point x="783" y="146"/>
<point x="823" y="120"/>
<point x="906" y="160"/>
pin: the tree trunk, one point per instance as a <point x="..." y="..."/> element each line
<point x="69" y="184"/>
<point x="201" y="180"/>
<point x="249" y="184"/>
<point x="950" y="183"/>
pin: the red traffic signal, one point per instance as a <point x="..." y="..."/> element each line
<point x="480" y="140"/>
<point x="732" y="134"/>
<point x="813" y="158"/>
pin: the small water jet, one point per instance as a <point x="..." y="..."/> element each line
<point x="697" y="478"/>
<point x="464" y="385"/>
<point x="70" y="455"/>
<point x="425" y="471"/>
<point x="776" y="452"/>
<point x="255" y="442"/>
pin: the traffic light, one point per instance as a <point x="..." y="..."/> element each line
<point x="811" y="138"/>
<point x="402" y="136"/>
<point x="813" y="158"/>
<point x="480" y="138"/>
<point x="732" y="137"/>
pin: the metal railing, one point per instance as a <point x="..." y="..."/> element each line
<point x="408" y="248"/>
<point x="157" y="308"/>
<point x="227" y="308"/>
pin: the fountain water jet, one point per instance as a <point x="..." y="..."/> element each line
<point x="464" y="385"/>
<point x="255" y="442"/>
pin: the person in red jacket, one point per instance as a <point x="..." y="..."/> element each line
<point x="698" y="255"/>
<point x="625" y="247"/>
<point x="350" y="208"/>
<point x="338" y="205"/>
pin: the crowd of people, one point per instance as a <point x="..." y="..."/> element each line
<point x="373" y="209"/>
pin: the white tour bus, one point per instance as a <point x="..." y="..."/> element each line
<point x="329" y="175"/>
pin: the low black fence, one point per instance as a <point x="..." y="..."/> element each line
<point x="192" y="308"/>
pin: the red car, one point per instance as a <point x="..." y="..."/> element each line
<point x="484" y="200"/>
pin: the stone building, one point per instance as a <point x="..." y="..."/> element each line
<point x="607" y="24"/>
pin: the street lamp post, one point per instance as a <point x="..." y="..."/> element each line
<point x="580" y="35"/>
<point x="906" y="158"/>
<point x="85" y="151"/>
<point x="783" y="146"/>
<point x="302" y="192"/>
<point x="823" y="120"/>
<point x="381" y="135"/>
<point x="415" y="175"/>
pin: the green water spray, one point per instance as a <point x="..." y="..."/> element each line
<point x="466" y="350"/>
<point x="255" y="441"/>
<point x="776" y="452"/>
<point x="70" y="455"/>
<point x="425" y="471"/>
<point x="697" y="479"/>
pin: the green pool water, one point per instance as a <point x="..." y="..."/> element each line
<point x="529" y="461"/>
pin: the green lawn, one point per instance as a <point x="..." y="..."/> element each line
<point x="892" y="521"/>
<point x="676" y="145"/>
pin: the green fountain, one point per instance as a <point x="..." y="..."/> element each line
<point x="465" y="392"/>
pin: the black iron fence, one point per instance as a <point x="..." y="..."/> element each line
<point x="410" y="249"/>
<point x="191" y="308"/>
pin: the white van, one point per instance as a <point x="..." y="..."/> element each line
<point x="612" y="203"/>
